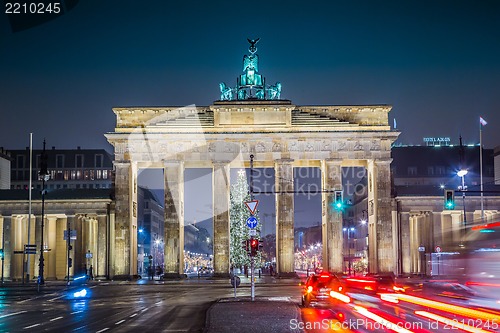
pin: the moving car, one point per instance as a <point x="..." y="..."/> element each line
<point x="324" y="289"/>
<point x="374" y="283"/>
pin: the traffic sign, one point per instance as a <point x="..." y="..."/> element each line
<point x="252" y="232"/>
<point x="252" y="222"/>
<point x="72" y="234"/>
<point x="30" y="249"/>
<point x="252" y="206"/>
<point x="421" y="248"/>
<point x="438" y="249"/>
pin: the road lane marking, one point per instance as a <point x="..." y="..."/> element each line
<point x="28" y="327"/>
<point x="76" y="312"/>
<point x="119" y="322"/>
<point x="158" y="303"/>
<point x="145" y="309"/>
<point x="53" y="299"/>
<point x="104" y="329"/>
<point x="12" y="314"/>
<point x="54" y="319"/>
<point x="132" y="316"/>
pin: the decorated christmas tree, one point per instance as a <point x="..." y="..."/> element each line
<point x="239" y="232"/>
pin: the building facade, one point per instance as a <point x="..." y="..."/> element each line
<point x="69" y="168"/>
<point x="5" y="162"/>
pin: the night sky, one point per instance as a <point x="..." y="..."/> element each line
<point x="436" y="62"/>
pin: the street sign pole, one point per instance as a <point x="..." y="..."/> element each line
<point x="252" y="263"/>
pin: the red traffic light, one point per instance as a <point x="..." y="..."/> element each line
<point x="254" y="243"/>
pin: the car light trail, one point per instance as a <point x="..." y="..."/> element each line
<point x="451" y="323"/>
<point x="388" y="324"/>
<point x="450" y="308"/>
<point x="389" y="298"/>
<point x="341" y="297"/>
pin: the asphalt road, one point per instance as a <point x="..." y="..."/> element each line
<point x="120" y="307"/>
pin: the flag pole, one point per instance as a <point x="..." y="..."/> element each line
<point x="481" y="168"/>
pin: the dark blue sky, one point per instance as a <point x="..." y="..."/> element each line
<point x="436" y="62"/>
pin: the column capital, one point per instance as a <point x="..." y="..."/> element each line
<point x="385" y="161"/>
<point x="123" y="163"/>
<point x="172" y="162"/>
<point x="334" y="161"/>
<point x="284" y="161"/>
<point x="220" y="163"/>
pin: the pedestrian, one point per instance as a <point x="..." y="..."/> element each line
<point x="271" y="270"/>
<point x="85" y="271"/>
<point x="91" y="273"/>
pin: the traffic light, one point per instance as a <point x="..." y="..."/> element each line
<point x="338" y="202"/>
<point x="70" y="262"/>
<point x="449" y="199"/>
<point x="254" y="246"/>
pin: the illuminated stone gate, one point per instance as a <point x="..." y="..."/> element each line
<point x="252" y="119"/>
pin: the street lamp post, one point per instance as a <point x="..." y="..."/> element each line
<point x="44" y="176"/>
<point x="463" y="188"/>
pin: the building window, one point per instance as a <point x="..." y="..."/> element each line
<point x="20" y="161"/>
<point x="98" y="160"/>
<point x="430" y="171"/>
<point x="59" y="161"/>
<point x="104" y="174"/>
<point x="440" y="170"/>
<point x="98" y="174"/>
<point x="59" y="175"/>
<point x="78" y="174"/>
<point x="92" y="175"/>
<point x="86" y="174"/>
<point x="412" y="171"/>
<point x="66" y="175"/>
<point x="79" y="161"/>
<point x="73" y="174"/>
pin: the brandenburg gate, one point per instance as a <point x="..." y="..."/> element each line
<point x="252" y="119"/>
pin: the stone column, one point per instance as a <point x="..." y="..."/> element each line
<point x="79" y="245"/>
<point x="221" y="188"/>
<point x="405" y="242"/>
<point x="17" y="240"/>
<point x="111" y="231"/>
<point x="446" y="240"/>
<point x="380" y="219"/>
<point x="70" y="219"/>
<point x="126" y="218"/>
<point x="33" y="263"/>
<point x="331" y="180"/>
<point x="174" y="218"/>
<point x="283" y="171"/>
<point x="8" y="250"/>
<point x="50" y="256"/>
<point x="61" y="249"/>
<point x="101" y="257"/>
<point x="456" y="228"/>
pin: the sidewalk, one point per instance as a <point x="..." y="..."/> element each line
<point x="265" y="314"/>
